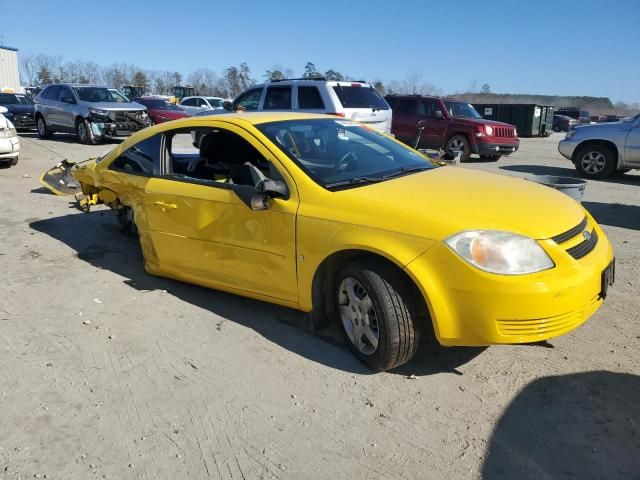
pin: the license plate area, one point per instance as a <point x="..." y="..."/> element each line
<point x="608" y="278"/>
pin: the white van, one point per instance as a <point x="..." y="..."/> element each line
<point x="358" y="101"/>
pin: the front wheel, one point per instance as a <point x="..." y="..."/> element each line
<point x="459" y="143"/>
<point x="14" y="161"/>
<point x="85" y="135"/>
<point x="595" y="161"/>
<point x="43" y="130"/>
<point x="376" y="314"/>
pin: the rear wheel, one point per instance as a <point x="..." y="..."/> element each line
<point x="376" y="314"/>
<point x="14" y="161"/>
<point x="459" y="143"/>
<point x="556" y="128"/>
<point x="595" y="161"/>
<point x="43" y="130"/>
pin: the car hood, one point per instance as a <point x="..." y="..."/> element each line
<point x="605" y="127"/>
<point x="117" y="106"/>
<point x="15" y="108"/>
<point x="441" y="202"/>
<point x="480" y="121"/>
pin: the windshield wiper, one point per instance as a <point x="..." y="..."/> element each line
<point x="355" y="181"/>
<point x="406" y="170"/>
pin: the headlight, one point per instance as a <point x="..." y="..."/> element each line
<point x="488" y="129"/>
<point x="99" y="112"/>
<point x="8" y="115"/>
<point x="500" y="252"/>
<point x="7" y="132"/>
<point x="570" y="134"/>
<point x="515" y="132"/>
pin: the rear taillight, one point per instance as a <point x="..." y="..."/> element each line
<point x="337" y="114"/>
<point x="356" y="84"/>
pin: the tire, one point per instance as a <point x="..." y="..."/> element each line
<point x="84" y="133"/>
<point x="556" y="128"/>
<point x="373" y="295"/>
<point x="14" y="161"/>
<point x="127" y="222"/>
<point x="459" y="142"/>
<point x="43" y="131"/>
<point x="595" y="161"/>
<point x="490" y="158"/>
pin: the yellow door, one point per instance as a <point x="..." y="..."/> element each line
<point x="204" y="233"/>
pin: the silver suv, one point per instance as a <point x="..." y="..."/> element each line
<point x="354" y="100"/>
<point x="601" y="149"/>
<point x="92" y="112"/>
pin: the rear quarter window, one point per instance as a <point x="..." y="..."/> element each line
<point x="310" y="98"/>
<point x="360" y="97"/>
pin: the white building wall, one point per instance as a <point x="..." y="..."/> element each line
<point x="9" y="76"/>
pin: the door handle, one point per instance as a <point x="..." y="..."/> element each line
<point x="165" y="206"/>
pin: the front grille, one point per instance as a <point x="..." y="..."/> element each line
<point x="503" y="132"/>
<point x="550" y="326"/>
<point x="585" y="247"/>
<point x="122" y="116"/>
<point x="569" y="234"/>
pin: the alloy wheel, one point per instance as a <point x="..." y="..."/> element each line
<point x="593" y="162"/>
<point x="82" y="132"/>
<point x="358" y="316"/>
<point x="456" y="145"/>
<point x="41" y="127"/>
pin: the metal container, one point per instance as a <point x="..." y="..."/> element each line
<point x="531" y="120"/>
<point x="574" y="187"/>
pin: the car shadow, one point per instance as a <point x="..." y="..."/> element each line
<point x="582" y="426"/>
<point x="569" y="172"/>
<point x="615" y="214"/>
<point x="96" y="239"/>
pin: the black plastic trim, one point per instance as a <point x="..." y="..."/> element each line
<point x="585" y="247"/>
<point x="569" y="234"/>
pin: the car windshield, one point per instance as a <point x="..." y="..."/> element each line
<point x="100" y="94"/>
<point x="360" y="97"/>
<point x="11" y="99"/>
<point x="461" y="110"/>
<point x="215" y="102"/>
<point x="343" y="154"/>
<point x="158" y="104"/>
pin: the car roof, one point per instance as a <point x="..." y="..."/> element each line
<point x="77" y="85"/>
<point x="418" y="97"/>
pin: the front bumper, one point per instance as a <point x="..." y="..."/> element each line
<point x="9" y="148"/>
<point x="567" y="148"/>
<point x="21" y="121"/>
<point x="495" y="148"/>
<point x="470" y="307"/>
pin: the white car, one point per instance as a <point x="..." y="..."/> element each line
<point x="357" y="101"/>
<point x="9" y="140"/>
<point x="196" y="105"/>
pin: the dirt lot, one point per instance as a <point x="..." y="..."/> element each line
<point x="107" y="372"/>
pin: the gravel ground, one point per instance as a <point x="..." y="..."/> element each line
<point x="107" y="372"/>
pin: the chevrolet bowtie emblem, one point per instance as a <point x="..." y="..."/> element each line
<point x="586" y="235"/>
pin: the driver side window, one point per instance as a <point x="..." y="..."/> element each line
<point x="217" y="157"/>
<point x="249" y="100"/>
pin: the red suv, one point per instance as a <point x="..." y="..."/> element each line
<point x="450" y="125"/>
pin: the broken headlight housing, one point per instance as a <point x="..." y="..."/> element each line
<point x="98" y="112"/>
<point x="7" y="133"/>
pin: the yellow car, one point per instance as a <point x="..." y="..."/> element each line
<point x="333" y="218"/>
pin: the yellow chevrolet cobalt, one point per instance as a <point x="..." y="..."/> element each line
<point x="330" y="217"/>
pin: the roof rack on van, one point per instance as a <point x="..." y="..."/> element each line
<point x="319" y="77"/>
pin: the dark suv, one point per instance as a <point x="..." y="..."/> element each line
<point x="450" y="125"/>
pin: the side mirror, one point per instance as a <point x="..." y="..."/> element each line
<point x="251" y="197"/>
<point x="438" y="115"/>
<point x="68" y="100"/>
<point x="227" y="105"/>
<point x="273" y="188"/>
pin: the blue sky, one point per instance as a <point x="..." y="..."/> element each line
<point x="541" y="47"/>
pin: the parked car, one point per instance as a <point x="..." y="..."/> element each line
<point x="562" y="123"/>
<point x="597" y="118"/>
<point x="9" y="140"/>
<point x="355" y="100"/>
<point x="599" y="150"/>
<point x="450" y="125"/>
<point x="195" y="105"/>
<point x="333" y="218"/>
<point x="161" y="110"/>
<point x="613" y="118"/>
<point x="19" y="110"/>
<point x="92" y="112"/>
<point x="583" y="116"/>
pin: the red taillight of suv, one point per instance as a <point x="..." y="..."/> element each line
<point x="337" y="114"/>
